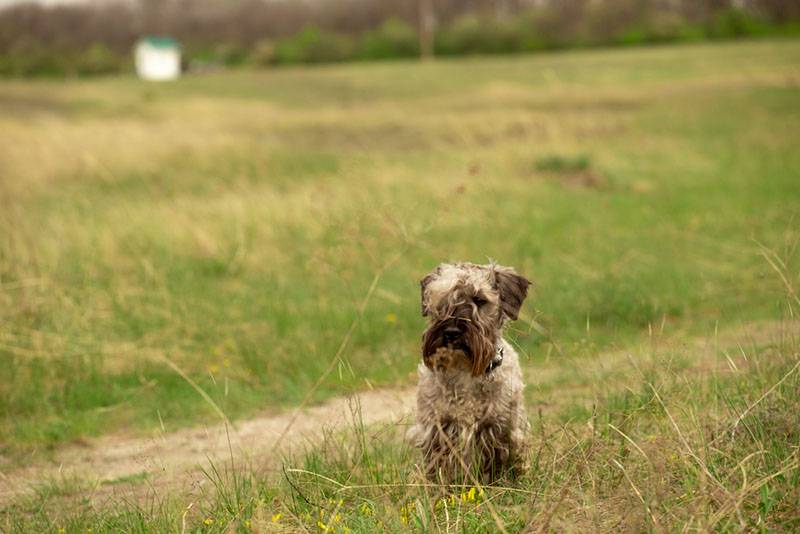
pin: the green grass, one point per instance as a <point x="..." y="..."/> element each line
<point x="563" y="164"/>
<point x="644" y="459"/>
<point x="233" y="223"/>
<point x="668" y="439"/>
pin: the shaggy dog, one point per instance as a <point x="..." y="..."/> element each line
<point x="471" y="423"/>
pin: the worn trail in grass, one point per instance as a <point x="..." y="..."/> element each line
<point x="171" y="459"/>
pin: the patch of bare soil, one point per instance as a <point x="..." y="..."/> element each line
<point x="170" y="460"/>
<point x="169" y="457"/>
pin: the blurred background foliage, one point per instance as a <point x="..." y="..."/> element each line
<point x="82" y="39"/>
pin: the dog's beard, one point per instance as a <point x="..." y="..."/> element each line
<point x="477" y="345"/>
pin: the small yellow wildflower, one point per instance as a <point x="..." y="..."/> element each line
<point x="61" y="530"/>
<point x="391" y="318"/>
<point x="405" y="513"/>
<point x="208" y="521"/>
<point x="322" y="526"/>
<point x="248" y="523"/>
<point x="213" y="368"/>
<point x="276" y="517"/>
<point x="472" y="495"/>
<point x="365" y="509"/>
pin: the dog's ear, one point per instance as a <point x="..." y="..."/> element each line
<point x="424" y="284"/>
<point x="513" y="289"/>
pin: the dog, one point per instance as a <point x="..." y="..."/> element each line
<point x="471" y="423"/>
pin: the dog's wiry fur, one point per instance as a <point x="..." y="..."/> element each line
<point x="470" y="412"/>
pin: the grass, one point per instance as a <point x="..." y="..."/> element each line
<point x="665" y="439"/>
<point x="561" y="164"/>
<point x="639" y="460"/>
<point x="230" y="226"/>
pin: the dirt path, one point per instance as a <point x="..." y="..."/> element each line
<point x="174" y="455"/>
<point x="171" y="459"/>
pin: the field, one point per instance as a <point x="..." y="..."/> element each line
<point x="243" y="243"/>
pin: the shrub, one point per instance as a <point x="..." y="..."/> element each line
<point x="31" y="59"/>
<point x="312" y="45"/>
<point x="98" y="59"/>
<point x="690" y="32"/>
<point x="472" y="34"/>
<point x="559" y="25"/>
<point x="731" y="23"/>
<point x="395" y="38"/>
<point x="222" y="54"/>
<point x="632" y="36"/>
<point x="665" y="26"/>
<point x="230" y="54"/>
<point x="263" y="53"/>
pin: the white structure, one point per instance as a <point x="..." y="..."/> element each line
<point x="158" y="58"/>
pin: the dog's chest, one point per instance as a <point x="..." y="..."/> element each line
<point x="470" y="400"/>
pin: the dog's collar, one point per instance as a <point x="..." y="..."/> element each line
<point x="496" y="361"/>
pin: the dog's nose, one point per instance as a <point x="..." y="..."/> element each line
<point x="451" y="333"/>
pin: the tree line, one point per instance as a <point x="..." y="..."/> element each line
<point x="97" y="38"/>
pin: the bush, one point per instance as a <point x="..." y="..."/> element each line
<point x="559" y="25"/>
<point x="666" y="26"/>
<point x="789" y="29"/>
<point x="627" y="22"/>
<point x="395" y="38"/>
<point x="230" y="54"/>
<point x="32" y="59"/>
<point x="691" y="32"/>
<point x="732" y="23"/>
<point x="222" y="54"/>
<point x="263" y="53"/>
<point x="632" y="36"/>
<point x="472" y="34"/>
<point x="28" y="58"/>
<point x="313" y="45"/>
<point x="98" y="59"/>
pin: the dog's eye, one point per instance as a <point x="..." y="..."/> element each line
<point x="479" y="301"/>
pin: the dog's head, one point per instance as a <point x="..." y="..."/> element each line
<point x="467" y="305"/>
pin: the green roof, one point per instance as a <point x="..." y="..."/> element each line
<point x="160" y="42"/>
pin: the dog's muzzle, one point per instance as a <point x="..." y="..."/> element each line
<point x="451" y="334"/>
<point x="459" y="334"/>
